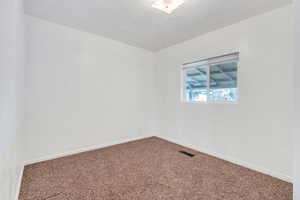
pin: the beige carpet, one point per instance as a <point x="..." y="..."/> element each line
<point x="149" y="169"/>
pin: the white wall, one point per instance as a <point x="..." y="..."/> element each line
<point x="297" y="105"/>
<point x="83" y="90"/>
<point x="11" y="77"/>
<point x="257" y="130"/>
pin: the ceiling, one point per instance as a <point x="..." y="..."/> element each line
<point x="136" y="23"/>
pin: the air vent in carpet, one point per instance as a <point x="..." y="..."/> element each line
<point x="187" y="153"/>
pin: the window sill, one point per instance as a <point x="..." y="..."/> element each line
<point x="210" y="102"/>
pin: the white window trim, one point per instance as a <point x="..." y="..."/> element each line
<point x="205" y="62"/>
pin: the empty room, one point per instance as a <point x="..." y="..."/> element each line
<point x="149" y="100"/>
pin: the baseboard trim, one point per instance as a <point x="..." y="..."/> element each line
<point x="235" y="161"/>
<point x="80" y="150"/>
<point x="18" y="189"/>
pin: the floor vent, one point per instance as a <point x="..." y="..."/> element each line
<point x="187" y="153"/>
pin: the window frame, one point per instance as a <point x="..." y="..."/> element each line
<point x="206" y="64"/>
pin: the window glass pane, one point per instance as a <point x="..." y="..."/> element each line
<point x="223" y="81"/>
<point x="196" y="83"/>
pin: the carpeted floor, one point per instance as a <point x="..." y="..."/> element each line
<point x="150" y="169"/>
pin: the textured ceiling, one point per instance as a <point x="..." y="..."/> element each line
<point x="136" y="23"/>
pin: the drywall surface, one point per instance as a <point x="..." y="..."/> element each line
<point x="297" y="104"/>
<point x="83" y="90"/>
<point x="11" y="76"/>
<point x="256" y="130"/>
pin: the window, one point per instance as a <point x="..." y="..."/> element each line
<point x="211" y="80"/>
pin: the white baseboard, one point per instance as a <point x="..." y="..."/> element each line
<point x="236" y="161"/>
<point x="80" y="150"/>
<point x="18" y="188"/>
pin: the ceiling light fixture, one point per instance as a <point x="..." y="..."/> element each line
<point x="167" y="6"/>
